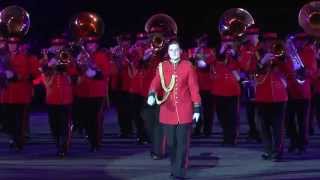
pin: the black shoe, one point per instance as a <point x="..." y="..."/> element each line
<point x="266" y="156"/>
<point x="142" y="141"/>
<point x="93" y="149"/>
<point x="155" y="156"/>
<point x="61" y="155"/>
<point x="276" y="157"/>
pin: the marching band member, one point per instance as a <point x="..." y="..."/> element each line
<point x="202" y="57"/>
<point x="4" y="56"/>
<point x="271" y="98"/>
<point x="299" y="93"/>
<point x="179" y="106"/>
<point x="91" y="89"/>
<point x="18" y="92"/>
<point x="248" y="59"/>
<point x="136" y="71"/>
<point x="226" y="89"/>
<point x="153" y="55"/>
<point x="121" y="85"/>
<point x="59" y="96"/>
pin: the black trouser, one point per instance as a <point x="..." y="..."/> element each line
<point x="2" y="119"/>
<point x="60" y="125"/>
<point x="136" y="103"/>
<point x="251" y="112"/>
<point x="227" y="109"/>
<point x="206" y="120"/>
<point x="16" y="116"/>
<point x="92" y="116"/>
<point x="150" y="114"/>
<point x="317" y="108"/>
<point x="78" y="112"/>
<point x="298" y="128"/>
<point x="272" y="126"/>
<point x="123" y="112"/>
<point x="178" y="138"/>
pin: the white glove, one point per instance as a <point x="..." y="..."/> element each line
<point x="90" y="73"/>
<point x="52" y="62"/>
<point x="201" y="63"/>
<point x="267" y="57"/>
<point x="151" y="101"/>
<point x="9" y="74"/>
<point x="196" y="117"/>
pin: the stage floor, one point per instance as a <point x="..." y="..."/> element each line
<point x="122" y="159"/>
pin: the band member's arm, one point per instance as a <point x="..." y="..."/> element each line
<point x="102" y="70"/>
<point x="245" y="59"/>
<point x="194" y="89"/>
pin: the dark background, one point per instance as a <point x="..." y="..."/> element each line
<point x="50" y="17"/>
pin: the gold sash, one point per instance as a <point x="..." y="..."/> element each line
<point x="166" y="89"/>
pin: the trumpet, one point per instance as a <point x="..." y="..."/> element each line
<point x="157" y="42"/>
<point x="278" y="49"/>
<point x="63" y="56"/>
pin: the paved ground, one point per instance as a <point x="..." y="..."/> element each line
<point x="123" y="159"/>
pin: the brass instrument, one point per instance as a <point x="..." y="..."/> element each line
<point x="81" y="26"/>
<point x="309" y="18"/>
<point x="278" y="48"/>
<point x="86" y="24"/>
<point x="157" y="42"/>
<point x="14" y="21"/>
<point x="161" y="28"/>
<point x="234" y="22"/>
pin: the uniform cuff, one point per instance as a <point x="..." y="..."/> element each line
<point x="197" y="108"/>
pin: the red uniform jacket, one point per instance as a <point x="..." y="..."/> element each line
<point x="296" y="90"/>
<point x="95" y="87"/>
<point x="203" y="74"/>
<point x="271" y="86"/>
<point x="178" y="108"/>
<point x="20" y="89"/>
<point x="248" y="58"/>
<point x="136" y="72"/>
<point x="59" y="87"/>
<point x="224" y="81"/>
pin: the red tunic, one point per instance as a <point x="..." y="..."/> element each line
<point x="91" y="87"/>
<point x="271" y="87"/>
<point x="178" y="108"/>
<point x="59" y="87"/>
<point x="224" y="81"/>
<point x="203" y="74"/>
<point x="296" y="90"/>
<point x="25" y="68"/>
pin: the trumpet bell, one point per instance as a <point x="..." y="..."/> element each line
<point x="235" y="21"/>
<point x="14" y="21"/>
<point x="278" y="49"/>
<point x="309" y="18"/>
<point x="157" y="42"/>
<point x="161" y="23"/>
<point x="86" y="24"/>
